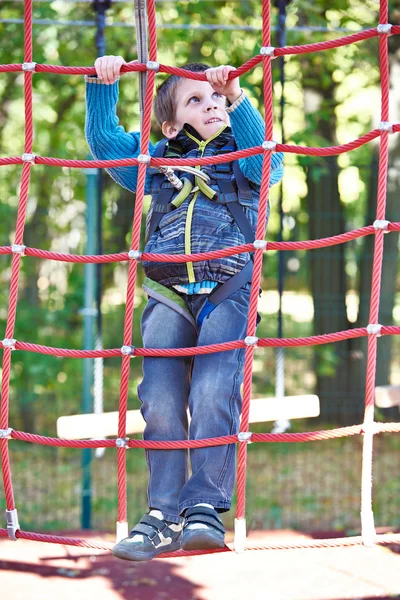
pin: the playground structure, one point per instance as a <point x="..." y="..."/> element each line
<point x="373" y="330"/>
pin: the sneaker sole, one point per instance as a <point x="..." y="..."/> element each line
<point x="130" y="554"/>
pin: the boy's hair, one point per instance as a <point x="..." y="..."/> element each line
<point x="165" y="100"/>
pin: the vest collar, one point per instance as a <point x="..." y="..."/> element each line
<point x="188" y="143"/>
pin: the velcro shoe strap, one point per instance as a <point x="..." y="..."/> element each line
<point x="207" y="519"/>
<point x="202" y="510"/>
<point x="153" y="522"/>
<point x="150" y="532"/>
<point x="158" y="524"/>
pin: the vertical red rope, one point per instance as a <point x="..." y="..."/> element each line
<point x="257" y="270"/>
<point x="366" y="478"/>
<point x="16" y="259"/>
<point x="132" y="271"/>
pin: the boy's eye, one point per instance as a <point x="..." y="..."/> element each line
<point x="217" y="95"/>
<point x="194" y="99"/>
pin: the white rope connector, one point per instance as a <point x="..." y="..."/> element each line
<point x="269" y="145"/>
<point x="9" y="343"/>
<point x="122" y="442"/>
<point x="384" y="28"/>
<point x="260" y="244"/>
<point x="12" y="524"/>
<point x="374" y="329"/>
<point x="5" y="434"/>
<point x="26" y="157"/>
<point x="251" y="340"/>
<point x="240" y="536"/>
<point x="152" y="65"/>
<point x="245" y="436"/>
<point x="144" y="158"/>
<point x="121" y="531"/>
<point x="386" y="126"/>
<point x="371" y="428"/>
<point x="268" y="51"/>
<point x="384" y="225"/>
<point x="135" y="254"/>
<point x="18" y="249"/>
<point x="127" y="350"/>
<point x="29" y="66"/>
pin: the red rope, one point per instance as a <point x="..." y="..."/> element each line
<point x="315" y="340"/>
<point x="369" y="428"/>
<point x="324" y="543"/>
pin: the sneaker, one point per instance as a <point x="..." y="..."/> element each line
<point x="210" y="531"/>
<point x="149" y="538"/>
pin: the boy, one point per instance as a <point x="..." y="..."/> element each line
<point x="189" y="303"/>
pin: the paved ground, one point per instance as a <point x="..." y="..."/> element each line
<point x="39" y="571"/>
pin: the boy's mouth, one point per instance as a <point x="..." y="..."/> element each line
<point x="213" y="120"/>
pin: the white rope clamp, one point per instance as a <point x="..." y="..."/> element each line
<point x="260" y="244"/>
<point x="371" y="428"/>
<point x="269" y="145"/>
<point x="127" y="350"/>
<point x="384" y="28"/>
<point x="29" y="66"/>
<point x="18" y="249"/>
<point x="386" y="126"/>
<point x="144" y="158"/>
<point x="121" y="531"/>
<point x="12" y="524"/>
<point x="9" y="343"/>
<point x="268" y="51"/>
<point x="5" y="434"/>
<point x="26" y="157"/>
<point x="251" y="340"/>
<point x="122" y="442"/>
<point x="152" y="65"/>
<point x="374" y="329"/>
<point x="135" y="254"/>
<point x="381" y="225"/>
<point x="245" y="436"/>
<point x="240" y="536"/>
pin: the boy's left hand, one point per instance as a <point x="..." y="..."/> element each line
<point x="218" y="78"/>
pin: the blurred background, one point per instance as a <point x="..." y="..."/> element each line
<point x="321" y="99"/>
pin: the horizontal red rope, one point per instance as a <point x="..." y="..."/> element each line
<point x="208" y="160"/>
<point x="315" y="340"/>
<point x="309" y="436"/>
<point x="201" y="256"/>
<point x="385" y="539"/>
<point x="285" y="51"/>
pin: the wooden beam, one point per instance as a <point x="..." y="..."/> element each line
<point x="387" y="396"/>
<point x="95" y="426"/>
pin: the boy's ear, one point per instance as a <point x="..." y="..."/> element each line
<point x="169" y="129"/>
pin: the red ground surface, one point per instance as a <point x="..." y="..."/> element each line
<point x="41" y="571"/>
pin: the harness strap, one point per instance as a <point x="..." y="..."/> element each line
<point x="242" y="221"/>
<point x="225" y="290"/>
<point x="165" y="195"/>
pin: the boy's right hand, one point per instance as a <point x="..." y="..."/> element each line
<point x="108" y="68"/>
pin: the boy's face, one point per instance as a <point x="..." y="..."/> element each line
<point x="200" y="106"/>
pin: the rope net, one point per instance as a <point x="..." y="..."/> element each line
<point x="373" y="330"/>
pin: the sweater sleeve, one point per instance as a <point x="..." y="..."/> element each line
<point x="107" y="139"/>
<point x="249" y="130"/>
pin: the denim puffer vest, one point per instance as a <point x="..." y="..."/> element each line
<point x="203" y="221"/>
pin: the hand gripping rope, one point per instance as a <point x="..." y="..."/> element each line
<point x="148" y="68"/>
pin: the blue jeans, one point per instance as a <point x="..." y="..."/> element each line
<point x="209" y="385"/>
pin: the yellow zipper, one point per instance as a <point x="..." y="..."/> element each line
<point x="188" y="225"/>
